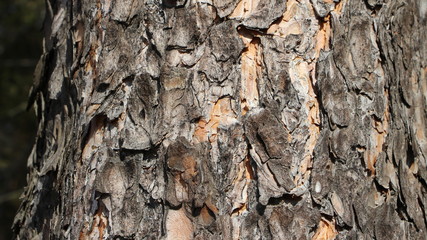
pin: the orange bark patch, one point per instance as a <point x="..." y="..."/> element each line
<point x="300" y="73"/>
<point x="325" y="231"/>
<point x="323" y="35"/>
<point x="221" y="113"/>
<point x="249" y="170"/>
<point x="240" y="187"/>
<point x="84" y="232"/>
<point x="339" y="7"/>
<point x="178" y="225"/>
<point x="377" y="139"/>
<point x="189" y="164"/>
<point x="325" y="32"/>
<point x="251" y="63"/>
<point x="287" y="24"/>
<point x="97" y="231"/>
<point x="206" y="216"/>
<point x="99" y="225"/>
<point x="91" y="63"/>
<point x="202" y="130"/>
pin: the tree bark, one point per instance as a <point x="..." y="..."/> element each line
<point x="227" y="119"/>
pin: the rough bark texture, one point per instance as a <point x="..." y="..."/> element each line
<point x="227" y="119"/>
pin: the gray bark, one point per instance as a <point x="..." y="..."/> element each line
<point x="227" y="119"/>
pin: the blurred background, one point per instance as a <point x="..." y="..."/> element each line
<point x="20" y="48"/>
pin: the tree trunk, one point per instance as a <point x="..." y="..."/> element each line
<point x="227" y="119"/>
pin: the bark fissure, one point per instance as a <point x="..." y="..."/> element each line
<point x="226" y="119"/>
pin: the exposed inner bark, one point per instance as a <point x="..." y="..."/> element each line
<point x="230" y="119"/>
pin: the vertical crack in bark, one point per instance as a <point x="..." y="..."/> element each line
<point x="380" y="124"/>
<point x="323" y="36"/>
<point x="241" y="184"/>
<point x="251" y="71"/>
<point x="299" y="72"/>
<point x="90" y="67"/>
<point x="266" y="112"/>
<point x="302" y="75"/>
<point x="377" y="138"/>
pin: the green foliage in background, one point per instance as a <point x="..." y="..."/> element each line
<point x="20" y="48"/>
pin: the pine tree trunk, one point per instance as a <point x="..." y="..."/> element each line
<point x="227" y="119"/>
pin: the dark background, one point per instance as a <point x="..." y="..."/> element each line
<point x="20" y="48"/>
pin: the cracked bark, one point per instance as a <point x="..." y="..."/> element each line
<point x="229" y="119"/>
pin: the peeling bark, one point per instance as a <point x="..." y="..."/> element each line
<point x="228" y="119"/>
